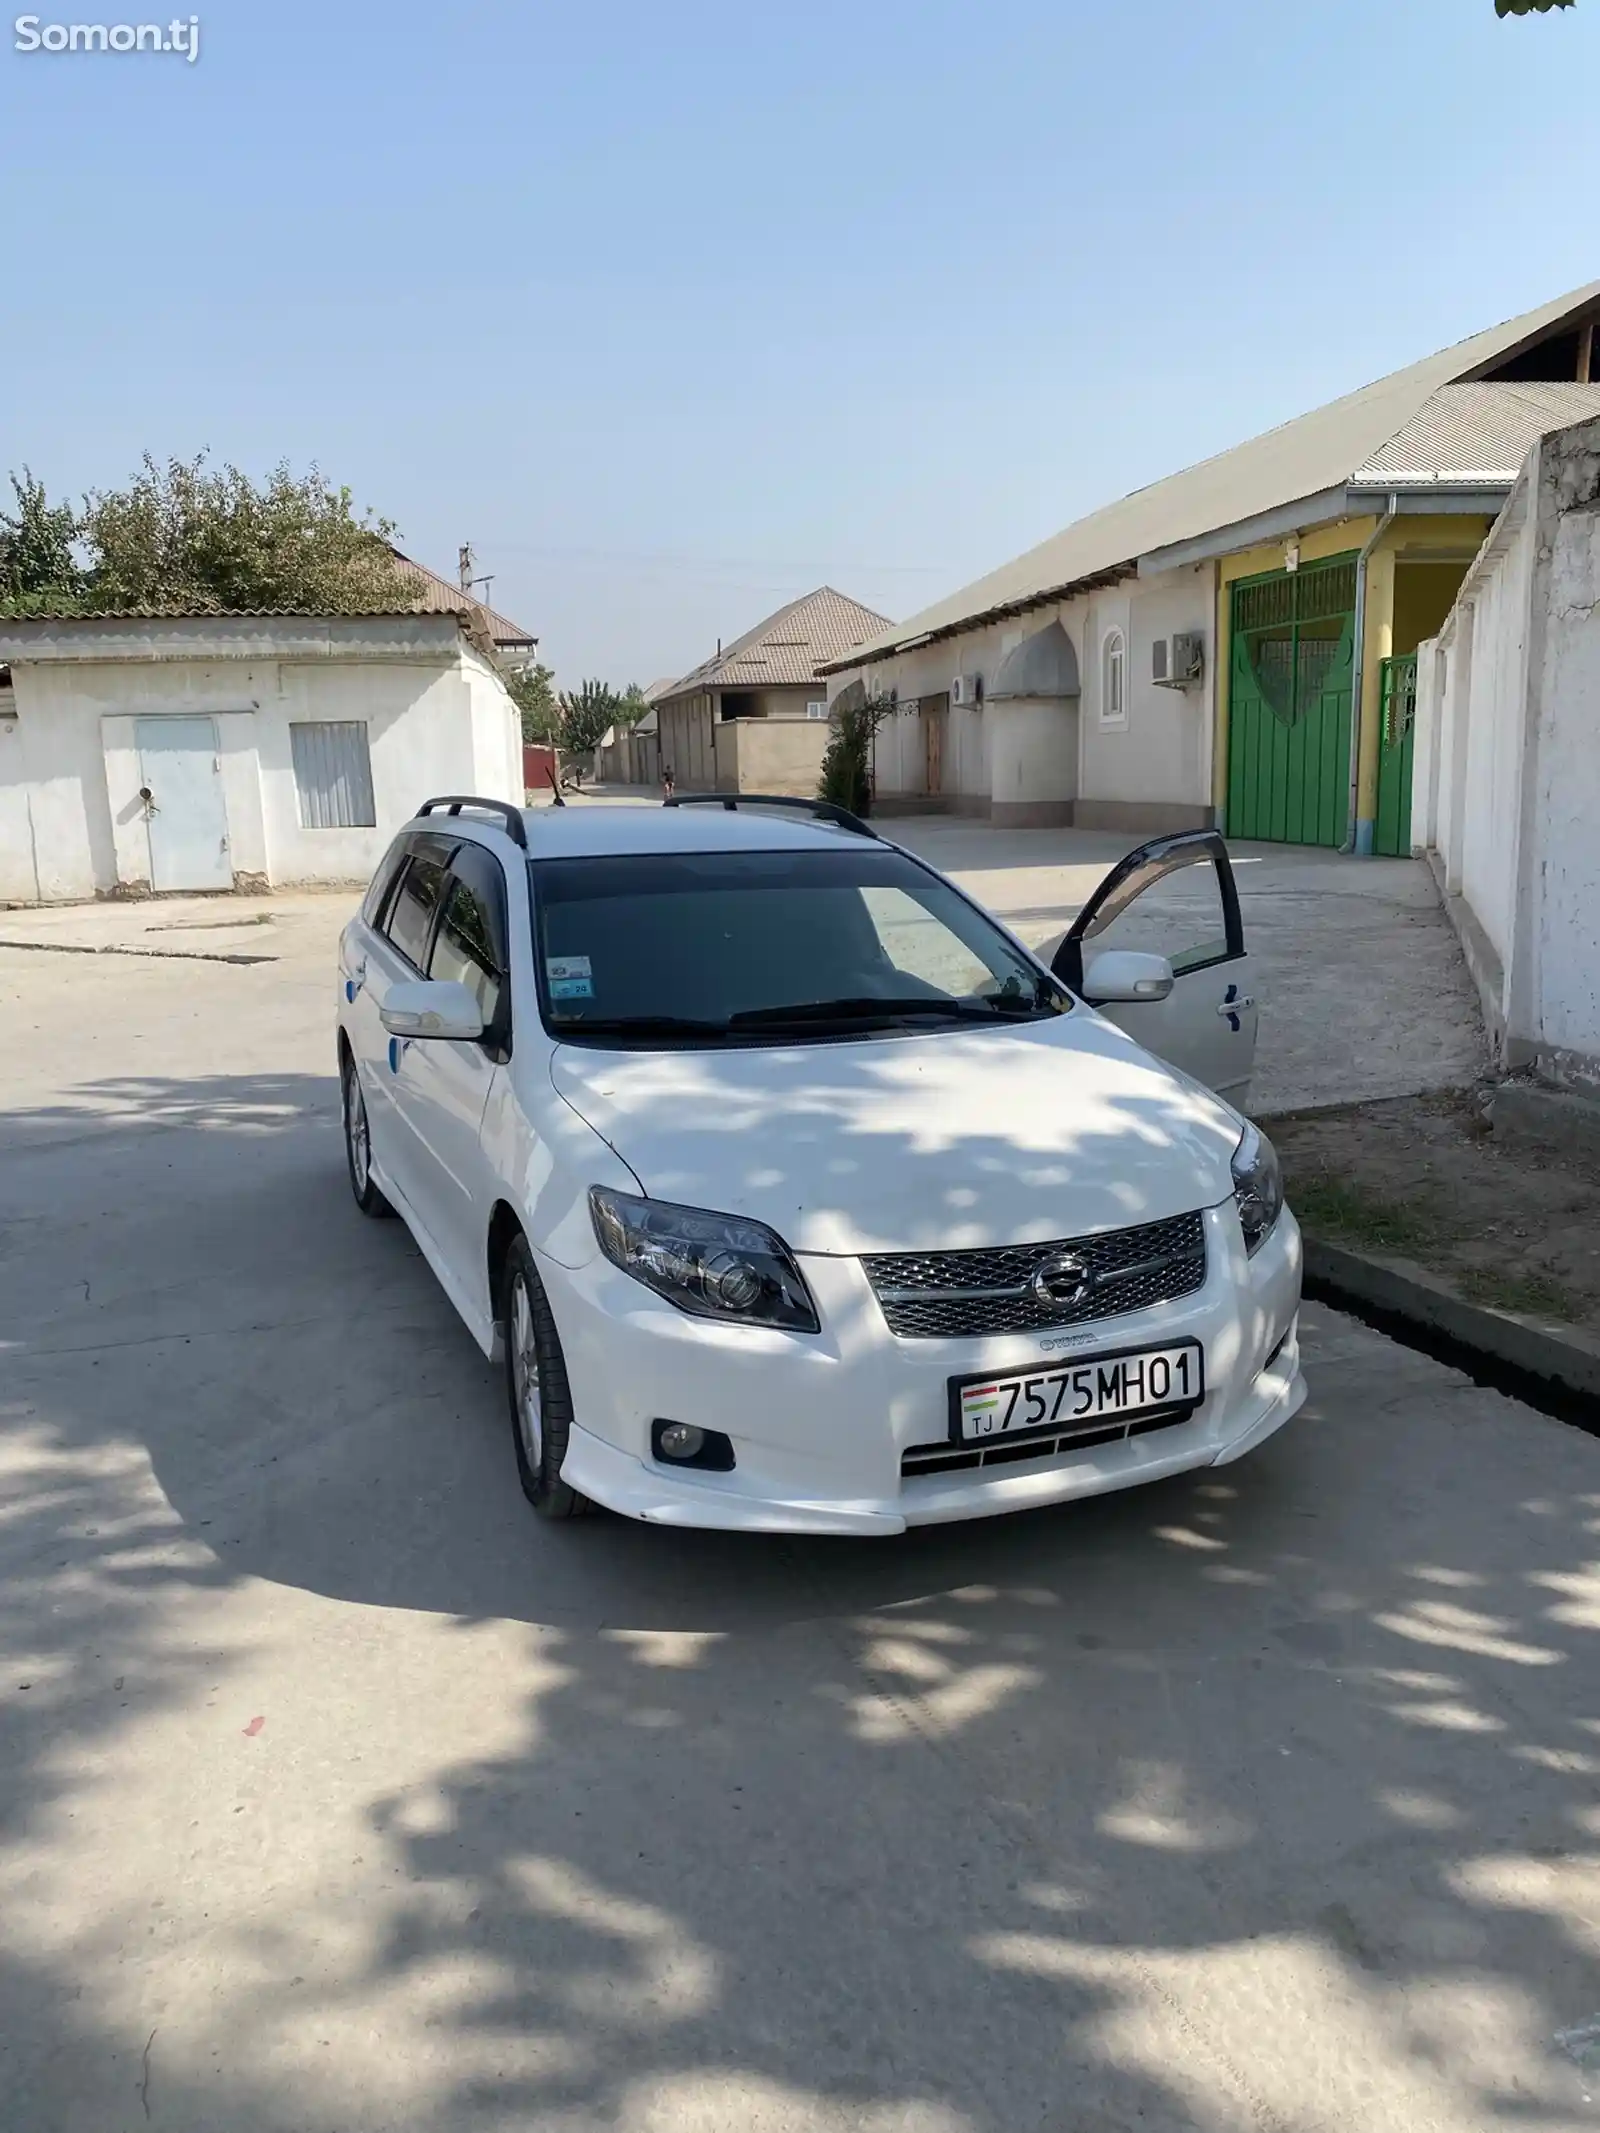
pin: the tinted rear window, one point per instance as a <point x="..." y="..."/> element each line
<point x="413" y="910"/>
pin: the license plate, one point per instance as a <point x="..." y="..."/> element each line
<point x="1077" y="1395"/>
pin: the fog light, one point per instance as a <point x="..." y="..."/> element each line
<point x="687" y="1444"/>
<point x="680" y="1440"/>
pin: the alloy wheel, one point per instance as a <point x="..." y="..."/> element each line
<point x="355" y="1130"/>
<point x="525" y="1374"/>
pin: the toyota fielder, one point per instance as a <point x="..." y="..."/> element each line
<point x="796" y="1193"/>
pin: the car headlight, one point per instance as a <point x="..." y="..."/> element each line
<point x="712" y="1266"/>
<point x="1257" y="1187"/>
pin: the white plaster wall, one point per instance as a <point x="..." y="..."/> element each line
<point x="1565" y="879"/>
<point x="1496" y="696"/>
<point x="56" y="840"/>
<point x="419" y="735"/>
<point x="1428" y="742"/>
<point x="19" y="882"/>
<point x="1508" y="758"/>
<point x="496" y="733"/>
<point x="1033" y="753"/>
<point x="929" y="671"/>
<point x="1163" y="752"/>
<point x="70" y="821"/>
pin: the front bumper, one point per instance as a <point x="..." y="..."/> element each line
<point x="820" y="1423"/>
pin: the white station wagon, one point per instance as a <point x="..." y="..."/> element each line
<point x="796" y="1192"/>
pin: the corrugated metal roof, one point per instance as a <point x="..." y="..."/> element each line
<point x="1477" y="433"/>
<point x="439" y="597"/>
<point x="435" y="596"/>
<point x="1317" y="451"/>
<point x="789" y="647"/>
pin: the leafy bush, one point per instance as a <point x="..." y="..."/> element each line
<point x="187" y="538"/>
<point x="846" y="777"/>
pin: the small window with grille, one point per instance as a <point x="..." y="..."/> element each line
<point x="333" y="774"/>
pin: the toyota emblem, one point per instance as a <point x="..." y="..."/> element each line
<point x="1061" y="1282"/>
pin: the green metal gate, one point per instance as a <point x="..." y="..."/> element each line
<point x="1397" y="718"/>
<point x="1289" y="704"/>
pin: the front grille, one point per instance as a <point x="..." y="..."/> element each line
<point x="965" y="1295"/>
<point x="948" y="1458"/>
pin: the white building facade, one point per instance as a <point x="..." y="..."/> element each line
<point x="142" y="756"/>
<point x="1507" y="763"/>
<point x="1055" y="716"/>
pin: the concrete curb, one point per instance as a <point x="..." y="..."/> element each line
<point x="1566" y="1362"/>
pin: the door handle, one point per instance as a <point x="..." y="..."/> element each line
<point x="1235" y="1007"/>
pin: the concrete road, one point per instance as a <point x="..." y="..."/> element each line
<point x="338" y="1795"/>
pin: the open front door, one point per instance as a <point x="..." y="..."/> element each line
<point x="1175" y="897"/>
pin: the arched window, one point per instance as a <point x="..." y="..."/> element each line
<point x="1114" y="679"/>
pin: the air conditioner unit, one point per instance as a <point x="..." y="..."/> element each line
<point x="966" y="691"/>
<point x="1178" y="661"/>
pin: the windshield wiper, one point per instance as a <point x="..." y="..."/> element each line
<point x="869" y="1008"/>
<point x="638" y="1026"/>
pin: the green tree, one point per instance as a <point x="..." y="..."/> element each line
<point x="1528" y="7"/>
<point x="189" y="537"/>
<point x="39" y="570"/>
<point x="633" y="706"/>
<point x="532" y="690"/>
<point x="585" y="715"/>
<point x="846" y="777"/>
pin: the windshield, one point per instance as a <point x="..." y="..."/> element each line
<point x="745" y="947"/>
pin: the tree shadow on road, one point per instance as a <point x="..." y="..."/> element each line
<point x="1262" y="1798"/>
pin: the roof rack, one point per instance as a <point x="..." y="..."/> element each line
<point x="451" y="803"/>
<point x="820" y="810"/>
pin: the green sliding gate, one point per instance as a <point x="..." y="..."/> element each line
<point x="1289" y="704"/>
<point x="1397" y="718"/>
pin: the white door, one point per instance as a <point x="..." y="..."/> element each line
<point x="444" y="1087"/>
<point x="181" y="787"/>
<point x="394" y="948"/>
<point x="1176" y="897"/>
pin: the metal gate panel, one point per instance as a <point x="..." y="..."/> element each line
<point x="1397" y="717"/>
<point x="333" y="774"/>
<point x="1290" y="688"/>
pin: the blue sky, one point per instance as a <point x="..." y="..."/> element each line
<point x="676" y="311"/>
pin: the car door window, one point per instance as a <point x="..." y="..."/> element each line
<point x="1180" y="916"/>
<point x="411" y="916"/>
<point x="470" y="944"/>
<point x="1175" y="897"/>
<point x="376" y="901"/>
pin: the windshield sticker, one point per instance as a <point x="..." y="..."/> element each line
<point x="569" y="977"/>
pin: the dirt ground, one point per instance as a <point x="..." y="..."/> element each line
<point x="1422" y="1178"/>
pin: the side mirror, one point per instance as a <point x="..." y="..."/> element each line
<point x="1123" y="974"/>
<point x="430" y="1007"/>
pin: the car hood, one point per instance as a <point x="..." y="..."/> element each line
<point x="950" y="1139"/>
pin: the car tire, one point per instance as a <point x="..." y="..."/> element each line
<point x="358" y="1141"/>
<point x="537" y="1392"/>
